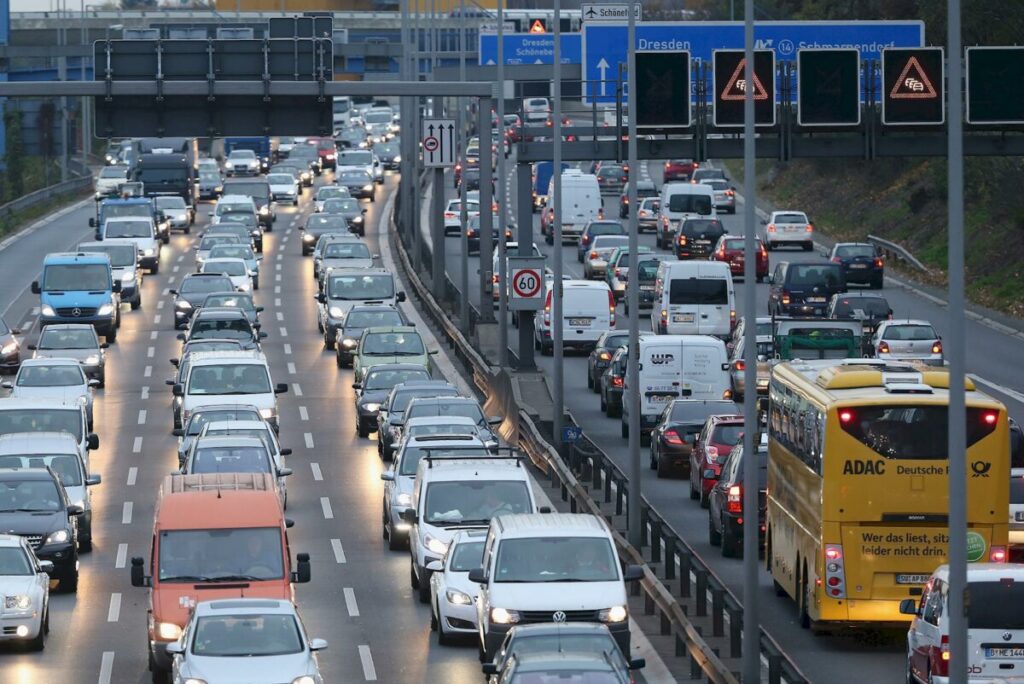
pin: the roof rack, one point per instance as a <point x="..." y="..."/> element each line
<point x="510" y="454"/>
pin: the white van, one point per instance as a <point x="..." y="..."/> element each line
<point x="581" y="203"/>
<point x="139" y="231"/>
<point x="685" y="200"/>
<point x="677" y="367"/>
<point x="694" y="298"/>
<point x="588" y="310"/>
<point x="229" y="377"/>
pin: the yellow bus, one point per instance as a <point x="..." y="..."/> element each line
<point x="858" y="493"/>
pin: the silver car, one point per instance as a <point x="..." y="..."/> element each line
<point x="60" y="379"/>
<point x="209" y="414"/>
<point x="76" y="341"/>
<point x="595" y="259"/>
<point x="254" y="640"/>
<point x="25" y="585"/>
<point x="176" y="212"/>
<point x="908" y="340"/>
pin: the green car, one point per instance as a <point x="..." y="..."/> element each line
<point x="389" y="344"/>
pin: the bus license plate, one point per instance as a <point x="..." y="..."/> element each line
<point x="912" y="579"/>
<point x="682" y="318"/>
<point x="1004" y="652"/>
<point x="579" y="322"/>
<point x="1019" y="516"/>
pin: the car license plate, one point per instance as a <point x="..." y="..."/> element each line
<point x="660" y="398"/>
<point x="1004" y="652"/>
<point x="912" y="579"/>
<point x="815" y="300"/>
<point x="858" y="265"/>
<point x="647" y="288"/>
<point x="579" y="322"/>
<point x="682" y="318"/>
<point x="1019" y="516"/>
<point x="703" y="242"/>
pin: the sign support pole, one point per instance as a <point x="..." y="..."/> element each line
<point x="502" y="201"/>
<point x="437" y="236"/>
<point x="632" y="396"/>
<point x="461" y="127"/>
<point x="486" y="200"/>
<point x="751" y="653"/>
<point x="527" y="319"/>
<point x="957" y="361"/>
<point x="556" y="230"/>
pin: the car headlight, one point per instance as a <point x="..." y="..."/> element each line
<point x="182" y="304"/>
<point x="371" y="406"/>
<point x="306" y="237"/>
<point x="18" y="602"/>
<point x="149" y="252"/>
<point x="458" y="598"/>
<point x="267" y="413"/>
<point x="336" y="312"/>
<point x="347" y="343"/>
<point x="613" y="614"/>
<point x="435" y="545"/>
<point x="306" y="679"/>
<point x="58" y="537"/>
<point x="229" y="165"/>
<point x="9" y="348"/>
<point x="127" y="277"/>
<point x="357" y="219"/>
<point x="264" y="210"/>
<point x="168" y="631"/>
<point x="368" y="187"/>
<point x="105" y="310"/>
<point x="92" y="360"/>
<point x="47" y="310"/>
<point x="503" y="616"/>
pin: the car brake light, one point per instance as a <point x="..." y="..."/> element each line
<point x="682" y="240"/>
<point x="672" y="437"/>
<point x="941" y="665"/>
<point x="835" y="572"/>
<point x="764" y="251"/>
<point x="721" y="253"/>
<point x="618" y="273"/>
<point x="836" y="260"/>
<point x="593" y="255"/>
<point x="664" y="315"/>
<point x="605" y="356"/>
<point x="785" y="297"/>
<point x="711" y="454"/>
<point x="586" y="239"/>
<point x="771" y="227"/>
<point x="937" y="348"/>
<point x="611" y="307"/>
<point x="878" y="263"/>
<point x="642" y="212"/>
<point x="883" y="347"/>
<point x="810" y="228"/>
<point x="729" y="193"/>
<point x="495" y="279"/>
<point x="997" y="554"/>
<point x="617" y="381"/>
<point x="739" y="364"/>
<point x="735" y="499"/>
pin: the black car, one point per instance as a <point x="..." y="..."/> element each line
<point x="375" y="388"/>
<point x="473" y="229"/>
<point x="34" y="505"/>
<point x="359" y="183"/>
<point x="10" y="349"/>
<point x="601" y="356"/>
<point x="352" y="138"/>
<point x="194" y="288"/>
<point x="675" y="435"/>
<point x="389" y="154"/>
<point x="358" y="319"/>
<point x="696" y="238"/>
<point x="321" y="224"/>
<point x="612" y="381"/>
<point x="392" y="410"/>
<point x="224" y="323"/>
<point x="242" y="300"/>
<point x="803" y="289"/>
<point x="350" y="209"/>
<point x="643" y="189"/>
<point x="861" y="263"/>
<point x="868" y="308"/>
<point x="725" y="510"/>
<point x="307" y="154"/>
<point x="242" y="218"/>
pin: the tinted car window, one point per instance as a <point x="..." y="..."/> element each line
<point x="815" y="274"/>
<point x="874" y="307"/>
<point x="699" y="291"/>
<point x="709" y="227"/>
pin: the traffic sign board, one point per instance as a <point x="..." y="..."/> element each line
<point x="529" y="48"/>
<point x="913" y="87"/>
<point x="590" y="11"/>
<point x="526" y="275"/>
<point x="571" y="434"/>
<point x="828" y="92"/>
<point x="729" y="87"/>
<point x="438" y="142"/>
<point x="604" y="44"/>
<point x="992" y="98"/>
<point x="663" y="89"/>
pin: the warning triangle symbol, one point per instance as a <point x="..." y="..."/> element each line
<point x="913" y="83"/>
<point x="736" y="88"/>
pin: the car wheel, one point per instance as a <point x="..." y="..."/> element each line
<point x="663" y="468"/>
<point x="604" y="405"/>
<point x="424" y="591"/>
<point x="155" y="269"/>
<point x="654" y="461"/>
<point x="590" y="381"/>
<point x="801" y="592"/>
<point x="714" y="537"/>
<point x="136" y="304"/>
<point x="39" y="642"/>
<point x="704" y="501"/>
<point x="614" y="410"/>
<point x="876" y="284"/>
<point x="85" y="542"/>
<point x="769" y="247"/>
<point x="694" y="492"/>
<point x="256" y="283"/>
<point x="443" y="638"/>
<point x="361" y="431"/>
<point x="760" y="278"/>
<point x="729" y="549"/>
<point x="414" y="582"/>
<point x="69" y="584"/>
<point x="111" y="336"/>
<point x="625" y="429"/>
<point x="547" y="349"/>
<point x="549" y="239"/>
<point x="433" y="618"/>
<point x="328" y="342"/>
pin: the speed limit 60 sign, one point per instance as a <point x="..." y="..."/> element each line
<point x="526" y="283"/>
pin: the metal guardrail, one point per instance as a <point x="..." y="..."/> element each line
<point x="891" y="249"/>
<point x="43" y="194"/>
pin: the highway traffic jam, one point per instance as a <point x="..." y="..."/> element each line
<point x="313" y="468"/>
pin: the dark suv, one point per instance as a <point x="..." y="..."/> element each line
<point x="696" y="238"/>
<point x="804" y="289"/>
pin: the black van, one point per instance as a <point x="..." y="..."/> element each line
<point x="804" y="289"/>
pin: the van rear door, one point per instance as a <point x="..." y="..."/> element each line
<point x="699" y="305"/>
<point x="703" y="376"/>
<point x="661" y="364"/>
<point x="586" y="313"/>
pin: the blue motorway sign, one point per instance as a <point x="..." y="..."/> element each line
<point x="604" y="44"/>
<point x="530" y="48"/>
<point x="571" y="434"/>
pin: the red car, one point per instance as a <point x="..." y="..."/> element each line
<point x="327" y="151"/>
<point x="679" y="169"/>
<point x="716" y="441"/>
<point x="730" y="249"/>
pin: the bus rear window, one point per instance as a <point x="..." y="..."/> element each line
<point x="912" y="432"/>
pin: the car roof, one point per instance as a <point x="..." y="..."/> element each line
<point x="985" y="572"/>
<point x="905" y="321"/>
<point x="228" y="441"/>
<point x="574" y="662"/>
<point x="220" y="311"/>
<point x="205" y="358"/>
<point x="10" y="540"/>
<point x="15" y="403"/>
<point x="403" y="366"/>
<point x="37" y="442"/>
<point x="390" y="329"/>
<point x="439" y="420"/>
<point x="50" y="362"/>
<point x="244" y="606"/>
<point x="522" y="525"/>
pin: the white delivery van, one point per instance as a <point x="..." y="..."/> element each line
<point x="588" y="310"/>
<point x="685" y="200"/>
<point x="694" y="298"/>
<point x="677" y="367"/>
<point x="581" y="202"/>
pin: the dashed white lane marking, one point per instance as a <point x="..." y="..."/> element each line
<point x="150" y="352"/>
<point x="142" y="416"/>
<point x="368" y="670"/>
<point x="296" y="389"/>
<point x="160" y="305"/>
<point x="291" y="368"/>
<point x="133" y="475"/>
<point x="303" y="413"/>
<point x="277" y="301"/>
<point x="126" y="513"/>
<point x="176" y="268"/>
<point x="284" y="332"/>
<point x="325" y="504"/>
<point x="153" y="333"/>
<point x="277" y="289"/>
<point x="288" y="349"/>
<point x="308" y="437"/>
<point x="122" y="556"/>
<point x="34" y="312"/>
<point x="280" y="315"/>
<point x="339" y="553"/>
<point x="350" y="602"/>
<point x="106" y="667"/>
<point x="156" y="321"/>
<point x="277" y="266"/>
<point x="317" y="474"/>
<point x="145" y="392"/>
<point x="114" y="611"/>
<point x="181" y="257"/>
<point x="137" y="445"/>
<point x="280" y="255"/>
<point x="277" y="277"/>
<point x="146" y="372"/>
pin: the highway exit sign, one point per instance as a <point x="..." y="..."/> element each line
<point x="591" y="12"/>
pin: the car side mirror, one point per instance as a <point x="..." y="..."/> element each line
<point x="637" y="664"/>
<point x="7" y="384"/>
<point x="908" y="607"/>
<point x="409" y="516"/>
<point x="92" y="222"/>
<point x="281" y="388"/>
<point x="400" y="297"/>
<point x="284" y="472"/>
<point x="178" y="390"/>
<point x="104" y="345"/>
<point x="35" y="287"/>
<point x="388" y="476"/>
<point x="435" y="566"/>
<point x="477" y="576"/>
<point x="94" y="383"/>
<point x="709" y="474"/>
<point x="286" y="451"/>
<point x="495" y="420"/>
<point x="170" y="382"/>
<point x="320" y="297"/>
<point x="262" y="335"/>
<point x="633" y="573"/>
<point x="357" y="385"/>
<point x="489" y="668"/>
<point x="317" y="644"/>
<point x="303" y="570"/>
<point x="75" y="509"/>
<point x="32" y="347"/>
<point x="178" y="432"/>
<point x="139" y="578"/>
<point x="259" y="309"/>
<point x="93" y="479"/>
<point x="180" y="336"/>
<point x="174" y="648"/>
<point x="15" y="331"/>
<point x="364" y="210"/>
<point x="92" y="442"/>
<point x="544" y="510"/>
<point x="173" y="291"/>
<point x="116" y="287"/>
<point x="46" y="566"/>
<point x="98" y="235"/>
<point x="174" y="362"/>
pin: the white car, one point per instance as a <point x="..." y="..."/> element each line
<point x="61" y="379"/>
<point x="235" y="269"/>
<point x="453" y="215"/>
<point x="326" y="192"/>
<point x="176" y="212"/>
<point x="230" y="377"/>
<point x="907" y="340"/>
<point x="134" y="230"/>
<point x="109" y="179"/>
<point x="284" y="186"/>
<point x="788" y="228"/>
<point x="452" y="595"/>
<point x="242" y="163"/>
<point x="995" y="630"/>
<point x="25" y="585"/>
<point x="245" y="640"/>
<point x="364" y="160"/>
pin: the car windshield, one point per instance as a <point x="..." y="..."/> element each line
<point x="324" y="194"/>
<point x="852" y="251"/>
<point x="475" y="501"/>
<point x="870" y="307"/>
<point x="412" y="454"/>
<point x="29" y="495"/>
<point x="910" y="333"/>
<point x="190" y="285"/>
<point x="466" y="556"/>
<point x="382" y="378"/>
<point x="119" y="255"/>
<point x="609" y="228"/>
<point x="128" y="229"/>
<point x="230" y="218"/>
<point x="610" y="241"/>
<point x="369" y="319"/>
<point x="242" y="302"/>
<point x="593" y="642"/>
<point x="814" y="274"/>
<point x="201" y="418"/>
<point x="232" y="251"/>
<point x="259" y="433"/>
<point x="233" y="328"/>
<point x="392" y="343"/>
<point x="325" y="222"/>
<point x="648" y="271"/>
<point x="227" y="555"/>
<point x="242" y="154"/>
<point x="14" y="561"/>
<point x="697" y="291"/>
<point x="57" y="338"/>
<point x="377" y="117"/>
<point x="441" y="429"/>
<point x="233" y="207"/>
<point x="231" y="459"/>
<point x="727" y="434"/>
<point x="464" y="409"/>
<point x="65" y="466"/>
<point x="170" y="203"/>
<point x="50" y="376"/>
<point x="119" y="172"/>
<point x="234" y="636"/>
<point x="686" y="411"/>
<point x="280" y="179"/>
<point x="229" y="378"/>
<point x="401" y="400"/>
<point x="230" y="267"/>
<point x="996" y="605"/>
<point x="709" y="227"/>
<point x="456" y="205"/>
<point x="64" y="277"/>
<point x="361" y="287"/>
<point x="348" y="250"/>
<point x="209" y="177"/>
<point x="356" y="158"/>
<point x="740" y="244"/>
<point x="386" y="149"/>
<point x="690" y="204"/>
<point x="143" y="209"/>
<point x="341" y="205"/>
<point x="556" y="559"/>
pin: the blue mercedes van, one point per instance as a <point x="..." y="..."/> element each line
<point x="78" y="287"/>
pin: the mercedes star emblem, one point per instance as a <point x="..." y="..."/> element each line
<point x="558" y="616"/>
<point x="76" y="311"/>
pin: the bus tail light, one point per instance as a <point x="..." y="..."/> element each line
<point x="835" y="572"/>
<point x="990" y="417"/>
<point x="735" y="499"/>
<point x="997" y="554"/>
